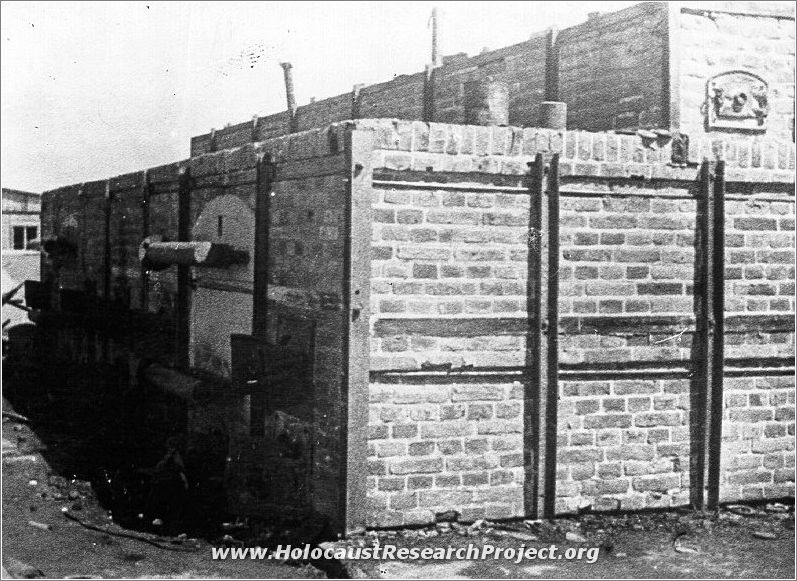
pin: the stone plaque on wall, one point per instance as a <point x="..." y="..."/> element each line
<point x="737" y="100"/>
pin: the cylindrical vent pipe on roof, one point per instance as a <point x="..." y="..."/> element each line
<point x="486" y="102"/>
<point x="436" y="58"/>
<point x="290" y="94"/>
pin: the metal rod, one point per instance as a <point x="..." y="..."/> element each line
<point x="531" y="450"/>
<point x="552" y="397"/>
<point x="701" y="354"/>
<point x="425" y="185"/>
<point x="718" y="337"/>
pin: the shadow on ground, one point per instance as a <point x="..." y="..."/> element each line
<point x="128" y="443"/>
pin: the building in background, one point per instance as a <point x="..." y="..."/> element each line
<point x="21" y="226"/>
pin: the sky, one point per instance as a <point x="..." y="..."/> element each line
<point x="89" y="90"/>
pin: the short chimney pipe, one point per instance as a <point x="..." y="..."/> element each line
<point x="287" y="69"/>
<point x="436" y="58"/>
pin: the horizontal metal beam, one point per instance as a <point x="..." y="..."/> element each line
<point x="627" y="325"/>
<point x="565" y="193"/>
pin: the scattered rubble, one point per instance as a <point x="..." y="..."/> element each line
<point x="7" y="414"/>
<point x="447" y="516"/>
<point x="777" y="508"/>
<point x="679" y="544"/>
<point x="741" y="510"/>
<point x="19" y="570"/>
<point x="575" y="537"/>
<point x="766" y="535"/>
<point x="39" y="525"/>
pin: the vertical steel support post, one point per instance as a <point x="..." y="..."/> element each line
<point x="702" y="353"/>
<point x="717" y="339"/>
<point x="552" y="354"/>
<point x="533" y="419"/>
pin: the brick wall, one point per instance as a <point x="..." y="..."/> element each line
<point x="437" y="447"/>
<point x="755" y="37"/>
<point x="611" y="69"/>
<point x="617" y="71"/>
<point x="759" y="254"/>
<point x="402" y="98"/>
<point x="758" y="438"/>
<point x="611" y="74"/>
<point x="521" y="66"/>
<point x="128" y="197"/>
<point x="449" y="269"/>
<point x="446" y="256"/>
<point x="306" y="281"/>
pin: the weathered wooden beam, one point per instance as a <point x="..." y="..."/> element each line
<point x="265" y="177"/>
<point x="146" y="191"/>
<point x="356" y="326"/>
<point x="106" y="257"/>
<point x="183" y="271"/>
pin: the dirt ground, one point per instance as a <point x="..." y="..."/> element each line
<point x="36" y="532"/>
<point x="660" y="546"/>
<point x="49" y="471"/>
<point x="676" y="544"/>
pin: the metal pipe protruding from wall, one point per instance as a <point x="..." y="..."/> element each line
<point x="553" y="115"/>
<point x="290" y="94"/>
<point x="155" y="254"/>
